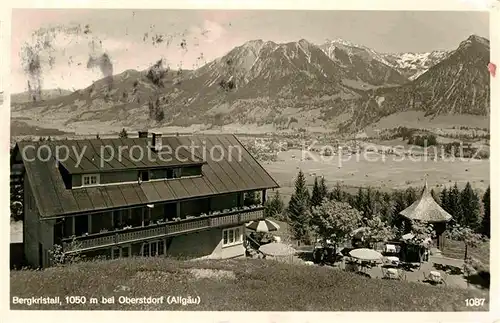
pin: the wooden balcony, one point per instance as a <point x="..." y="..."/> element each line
<point x="171" y="228"/>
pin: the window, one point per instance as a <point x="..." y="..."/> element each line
<point x="173" y="173"/>
<point x="161" y="247"/>
<point x="145" y="249"/>
<point x="120" y="252"/>
<point x="191" y="171"/>
<point x="115" y="254"/>
<point x="158" y="173"/>
<point x="152" y="249"/>
<point x="90" y="179"/>
<point x="144" y="175"/>
<point x="231" y="236"/>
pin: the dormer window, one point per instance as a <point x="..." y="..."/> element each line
<point x="144" y="175"/>
<point x="173" y="173"/>
<point x="90" y="179"/>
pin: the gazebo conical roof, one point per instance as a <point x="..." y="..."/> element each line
<point x="426" y="209"/>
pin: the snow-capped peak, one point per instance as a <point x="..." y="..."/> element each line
<point x="343" y="42"/>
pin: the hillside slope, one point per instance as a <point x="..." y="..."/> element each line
<point x="255" y="285"/>
<point x="44" y="95"/>
<point x="460" y="84"/>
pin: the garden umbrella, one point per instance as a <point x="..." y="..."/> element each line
<point x="277" y="249"/>
<point x="366" y="254"/>
<point x="263" y="226"/>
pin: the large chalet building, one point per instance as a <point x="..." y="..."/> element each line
<point x="191" y="203"/>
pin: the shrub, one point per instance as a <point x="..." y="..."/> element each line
<point x="58" y="257"/>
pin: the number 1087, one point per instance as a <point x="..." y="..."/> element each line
<point x="474" y="302"/>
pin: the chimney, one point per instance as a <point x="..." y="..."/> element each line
<point x="143" y="134"/>
<point x="156" y="141"/>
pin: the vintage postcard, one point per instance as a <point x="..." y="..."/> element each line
<point x="233" y="159"/>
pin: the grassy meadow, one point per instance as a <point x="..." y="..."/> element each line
<point x="233" y="285"/>
<point x="382" y="174"/>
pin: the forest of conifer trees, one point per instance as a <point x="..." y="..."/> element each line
<point x="468" y="207"/>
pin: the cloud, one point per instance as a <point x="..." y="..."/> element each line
<point x="80" y="54"/>
<point x="63" y="55"/>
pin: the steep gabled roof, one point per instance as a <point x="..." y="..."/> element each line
<point x="426" y="209"/>
<point x="234" y="172"/>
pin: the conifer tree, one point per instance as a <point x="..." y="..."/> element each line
<point x="336" y="193"/>
<point x="387" y="209"/>
<point x="454" y="204"/>
<point x="359" y="200"/>
<point x="319" y="192"/>
<point x="323" y="190"/>
<point x="435" y="196"/>
<point x="470" y="206"/>
<point x="399" y="205"/>
<point x="444" y="200"/>
<point x="316" y="195"/>
<point x="399" y="201"/>
<point x="298" y="209"/>
<point x="274" y="207"/>
<point x="410" y="196"/>
<point x="368" y="207"/>
<point x="123" y="133"/>
<point x="486" y="225"/>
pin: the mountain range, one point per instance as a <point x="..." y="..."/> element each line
<point x="337" y="83"/>
<point x="45" y="94"/>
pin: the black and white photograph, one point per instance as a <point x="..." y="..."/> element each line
<point x="250" y="160"/>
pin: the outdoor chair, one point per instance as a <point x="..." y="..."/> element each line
<point x="390" y="249"/>
<point x="393" y="273"/>
<point x="434" y="278"/>
<point x="363" y="274"/>
<point x="351" y="266"/>
<point x="391" y="261"/>
<point x="390" y="273"/>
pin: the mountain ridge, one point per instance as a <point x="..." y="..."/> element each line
<point x="264" y="82"/>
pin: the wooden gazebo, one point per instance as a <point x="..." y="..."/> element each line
<point x="427" y="210"/>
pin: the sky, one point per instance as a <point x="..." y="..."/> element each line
<point x="64" y="39"/>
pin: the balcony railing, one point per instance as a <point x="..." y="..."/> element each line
<point x="170" y="228"/>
